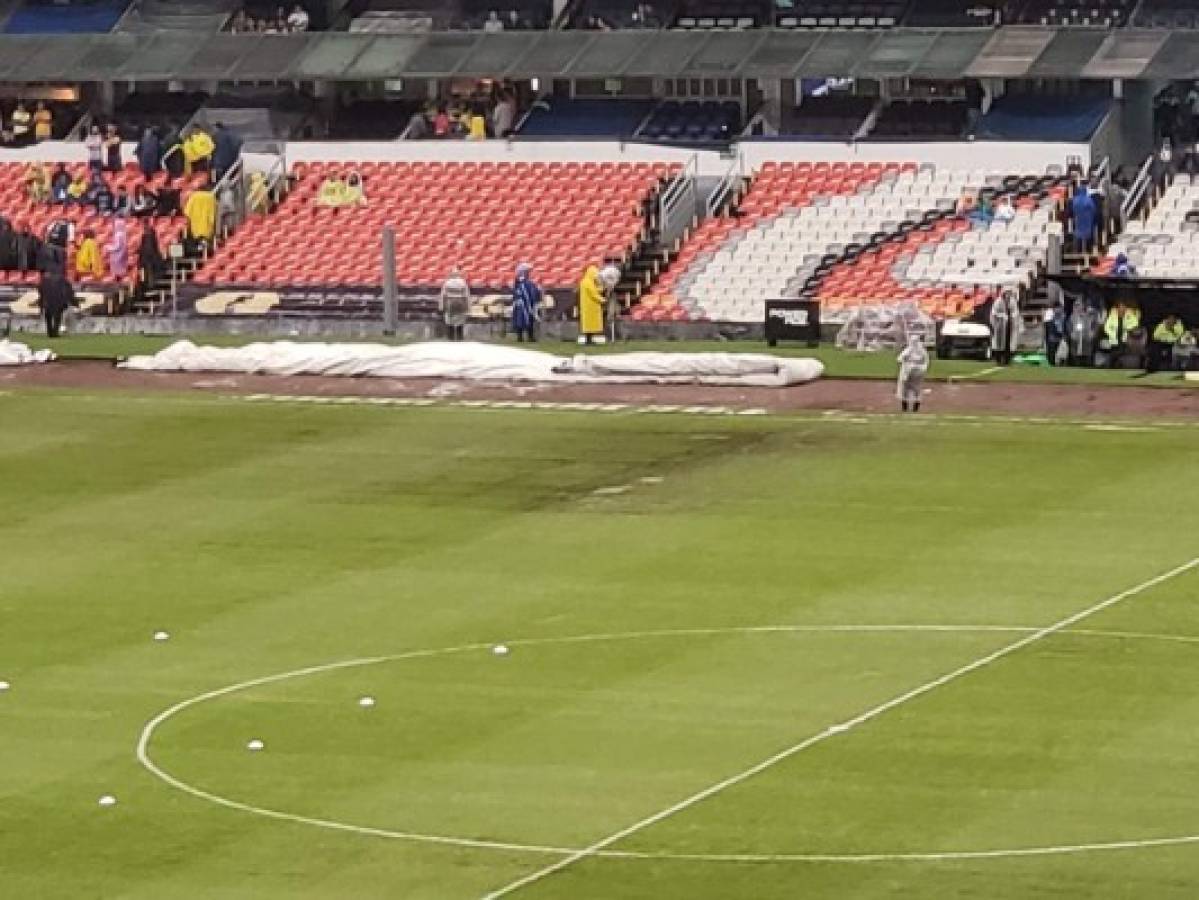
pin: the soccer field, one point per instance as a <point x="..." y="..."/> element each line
<point x="749" y="657"/>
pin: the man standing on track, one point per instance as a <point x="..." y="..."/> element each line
<point x="913" y="364"/>
<point x="54" y="296"/>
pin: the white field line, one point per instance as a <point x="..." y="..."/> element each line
<point x="840" y="728"/>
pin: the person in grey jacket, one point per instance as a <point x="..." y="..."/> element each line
<point x="455" y="304"/>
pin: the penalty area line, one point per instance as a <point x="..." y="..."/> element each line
<point x="837" y="729"/>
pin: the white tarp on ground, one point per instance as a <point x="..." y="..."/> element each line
<point x="14" y="354"/>
<point x="481" y="362"/>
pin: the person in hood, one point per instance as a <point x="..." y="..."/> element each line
<point x="593" y="298"/>
<point x="526" y="304"/>
<point x="151" y="267"/>
<point x="226" y="150"/>
<point x="149" y="152"/>
<point x="116" y="251"/>
<point x="172" y="155"/>
<point x="8" y="246"/>
<point x="29" y="248"/>
<point x="55" y="296"/>
<point x="89" y="265"/>
<point x="1082" y="211"/>
<point x="1054" y="322"/>
<point x="913" y="365"/>
<point x="60" y="183"/>
<point x="455" y="304"/>
<point x="1123" y="267"/>
<point x="1005" y="327"/>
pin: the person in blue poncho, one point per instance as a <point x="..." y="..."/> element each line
<point x="526" y="303"/>
<point x="1082" y="209"/>
<point x="149" y="152"/>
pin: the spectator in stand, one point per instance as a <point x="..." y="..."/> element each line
<point x="418" y="126"/>
<point x="89" y="265"/>
<point x="297" y="19"/>
<point x="513" y="23"/>
<point x="1166" y="336"/>
<point x="1117" y="196"/>
<point x="60" y="182"/>
<point x="526" y="304"/>
<point x="173" y="159"/>
<point x="112" y="150"/>
<point x="259" y="199"/>
<point x="1123" y="268"/>
<point x="8" y="246"/>
<point x="37" y="182"/>
<point x="1004" y="211"/>
<point x="150" y="264"/>
<point x="99" y="194"/>
<point x="226" y="150"/>
<point x="94" y="142"/>
<point x="22" y="125"/>
<point x="143" y="203"/>
<point x="332" y="192"/>
<point x="200" y="211"/>
<point x="455" y="304"/>
<point x="117" y="250"/>
<point x="493" y="23"/>
<point x="198" y="148"/>
<point x="77" y="190"/>
<point x="241" y="24"/>
<point x="149" y="152"/>
<point x="503" y="117"/>
<point x="477" y="123"/>
<point x="122" y="205"/>
<point x="28" y="249"/>
<point x="355" y="193"/>
<point x="441" y="122"/>
<point x="43" y="123"/>
<point x="55" y="296"/>
<point x="1082" y="212"/>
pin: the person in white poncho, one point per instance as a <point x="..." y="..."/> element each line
<point x="913" y="364"/>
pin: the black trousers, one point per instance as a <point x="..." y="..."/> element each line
<point x="530" y="333"/>
<point x="53" y="322"/>
<point x="455" y="332"/>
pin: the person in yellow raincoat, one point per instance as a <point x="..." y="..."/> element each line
<point x="592" y="298"/>
<point x="89" y="264"/>
<point x="198" y="148"/>
<point x="200" y="210"/>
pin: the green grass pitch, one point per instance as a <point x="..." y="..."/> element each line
<point x="644" y="667"/>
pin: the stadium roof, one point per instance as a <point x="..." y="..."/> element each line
<point x="1011" y="52"/>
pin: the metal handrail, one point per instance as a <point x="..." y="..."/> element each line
<point x="729" y="182"/>
<point x="1139" y="190"/>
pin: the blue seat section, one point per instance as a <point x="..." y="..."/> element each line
<point x="586" y="118"/>
<point x="39" y="17"/>
<point x="1039" y="118"/>
<point x="694" y="120"/>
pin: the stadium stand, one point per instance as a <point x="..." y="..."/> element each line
<point x="1033" y="117"/>
<point x="197" y="16"/>
<point x="801" y="228"/>
<point x="554" y="117"/>
<point x="705" y="14"/>
<point x="601" y="14"/>
<point x="823" y="14"/>
<point x="16" y="206"/>
<point x="833" y="117"/>
<point x="957" y="14"/>
<point x="1167" y="14"/>
<point x="922" y="120"/>
<point x="49" y="17"/>
<point x="694" y="121"/>
<point x="152" y="109"/>
<point x="1077" y="13"/>
<point x="1166" y="244"/>
<point x="486" y="217"/>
